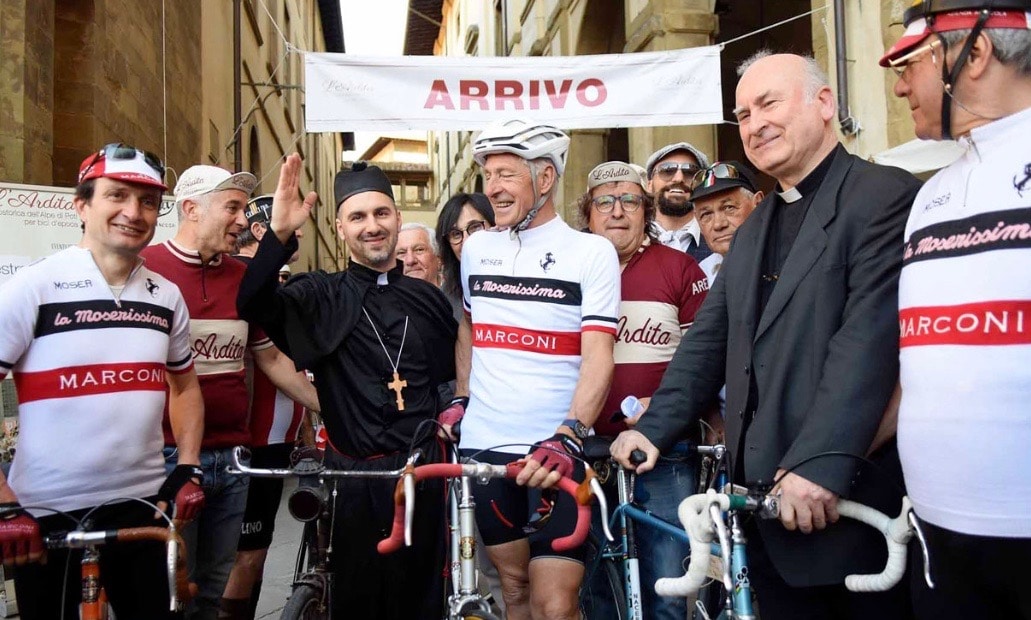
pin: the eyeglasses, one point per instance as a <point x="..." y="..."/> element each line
<point x="669" y="169"/>
<point x="707" y="177"/>
<point x="119" y="150"/>
<point x="607" y="202"/>
<point x="900" y="64"/>
<point x="456" y="235"/>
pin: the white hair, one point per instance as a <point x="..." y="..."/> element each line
<point x="1012" y="47"/>
<point x="814" y="77"/>
<point x="430" y="234"/>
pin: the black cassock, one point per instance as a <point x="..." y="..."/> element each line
<point x="318" y="320"/>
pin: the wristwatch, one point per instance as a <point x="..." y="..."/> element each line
<point x="579" y="428"/>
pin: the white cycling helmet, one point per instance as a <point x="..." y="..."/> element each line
<point x="527" y="139"/>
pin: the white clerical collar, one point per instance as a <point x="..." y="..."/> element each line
<point x="381" y="279"/>
<point x="790" y="196"/>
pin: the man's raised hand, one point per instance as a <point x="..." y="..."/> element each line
<point x="289" y="212"/>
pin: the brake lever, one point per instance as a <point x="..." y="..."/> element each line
<point x="915" y="524"/>
<point x="603" y="504"/>
<point x="409" y="491"/>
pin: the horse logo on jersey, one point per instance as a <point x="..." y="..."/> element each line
<point x="1025" y="183"/>
<point x="547" y="261"/>
<point x="152" y="288"/>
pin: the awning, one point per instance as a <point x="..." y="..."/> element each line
<point x="919" y="156"/>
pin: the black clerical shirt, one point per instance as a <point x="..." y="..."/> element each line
<point x="318" y="320"/>
<point x="786" y="222"/>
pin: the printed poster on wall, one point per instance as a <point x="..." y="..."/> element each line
<point x="37" y="221"/>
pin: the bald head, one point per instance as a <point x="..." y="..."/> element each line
<point x="785" y="111"/>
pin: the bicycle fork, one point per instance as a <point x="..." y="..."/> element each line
<point x="632" y="574"/>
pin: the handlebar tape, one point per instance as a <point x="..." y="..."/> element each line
<point x="896" y="533"/>
<point x="451" y="470"/>
<point x="694" y="515"/>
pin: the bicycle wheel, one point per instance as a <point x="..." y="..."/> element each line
<point x="601" y="595"/>
<point x="305" y="603"/>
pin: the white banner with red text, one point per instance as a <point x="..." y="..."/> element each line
<point x="344" y="92"/>
<point x="37" y="221"/>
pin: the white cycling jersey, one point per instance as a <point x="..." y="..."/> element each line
<point x="529" y="299"/>
<point x="90" y="374"/>
<point x="965" y="324"/>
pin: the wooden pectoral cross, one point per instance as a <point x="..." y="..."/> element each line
<point x="396" y="385"/>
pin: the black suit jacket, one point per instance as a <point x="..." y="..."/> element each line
<point x="824" y="355"/>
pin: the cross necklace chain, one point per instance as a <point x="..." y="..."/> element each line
<point x="397" y="383"/>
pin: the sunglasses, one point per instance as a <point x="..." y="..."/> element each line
<point x="118" y="150"/>
<point x="707" y="177"/>
<point x="900" y="64"/>
<point x="605" y="203"/>
<point x="457" y="235"/>
<point x="669" y="169"/>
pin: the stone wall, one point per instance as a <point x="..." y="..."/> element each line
<point x="77" y="74"/>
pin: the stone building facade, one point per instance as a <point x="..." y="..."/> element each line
<point x="575" y="27"/>
<point x="159" y="74"/>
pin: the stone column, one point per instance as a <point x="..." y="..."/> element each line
<point x="26" y="90"/>
<point x="660" y="25"/>
<point x="586" y="150"/>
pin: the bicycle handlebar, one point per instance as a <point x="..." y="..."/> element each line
<point x="179" y="587"/>
<point x="897" y="533"/>
<point x="310" y="468"/>
<point x="484" y="471"/>
<point x="698" y="520"/>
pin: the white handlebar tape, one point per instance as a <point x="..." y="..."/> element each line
<point x="896" y="533"/>
<point x="694" y="514"/>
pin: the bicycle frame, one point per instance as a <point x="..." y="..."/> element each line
<point x="93" y="604"/>
<point x="464" y="579"/>
<point x="315" y="504"/>
<point x="735" y="559"/>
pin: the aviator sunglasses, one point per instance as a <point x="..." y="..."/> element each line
<point x="707" y="177"/>
<point x="124" y="152"/>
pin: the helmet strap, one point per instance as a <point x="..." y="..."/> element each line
<point x="950" y="76"/>
<point x="538" y="201"/>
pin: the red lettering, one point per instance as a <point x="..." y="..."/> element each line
<point x="535" y="95"/>
<point x="473" y="91"/>
<point x="600" y="93"/>
<point x="439" y="97"/>
<point x="558" y="100"/>
<point x="508" y="90"/>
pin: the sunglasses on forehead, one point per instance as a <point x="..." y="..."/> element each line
<point x="669" y="169"/>
<point x="124" y="152"/>
<point x="707" y="177"/>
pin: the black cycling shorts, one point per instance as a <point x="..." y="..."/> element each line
<point x="263" y="497"/>
<point x="503" y="509"/>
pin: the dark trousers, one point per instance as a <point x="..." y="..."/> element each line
<point x="408" y="583"/>
<point x="780" y="601"/>
<point x="132" y="573"/>
<point x="974" y="576"/>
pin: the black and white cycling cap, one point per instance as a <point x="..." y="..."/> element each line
<point x="527" y="139"/>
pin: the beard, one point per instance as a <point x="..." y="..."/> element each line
<point x="670" y="208"/>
